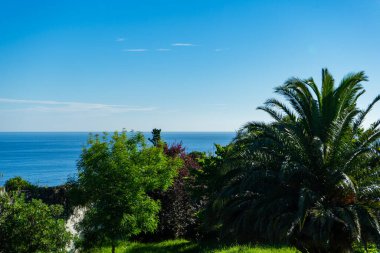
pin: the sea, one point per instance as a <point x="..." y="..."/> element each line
<point x="50" y="158"/>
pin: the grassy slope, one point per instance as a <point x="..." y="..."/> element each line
<point x="183" y="246"/>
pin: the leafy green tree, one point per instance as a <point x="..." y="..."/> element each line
<point x="312" y="176"/>
<point x="27" y="227"/>
<point x="115" y="175"/>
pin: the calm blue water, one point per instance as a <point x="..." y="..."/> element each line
<point x="50" y="158"/>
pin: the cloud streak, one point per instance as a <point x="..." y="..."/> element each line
<point x="182" y="45"/>
<point x="135" y="50"/>
<point x="58" y="106"/>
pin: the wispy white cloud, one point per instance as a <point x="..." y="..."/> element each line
<point x="163" y="49"/>
<point x="135" y="50"/>
<point x="182" y="45"/>
<point x="58" y="106"/>
<point x="120" y="39"/>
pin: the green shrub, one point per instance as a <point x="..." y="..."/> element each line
<point x="30" y="226"/>
<point x="17" y="184"/>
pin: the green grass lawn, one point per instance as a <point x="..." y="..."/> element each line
<point x="174" y="246"/>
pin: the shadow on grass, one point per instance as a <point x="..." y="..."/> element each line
<point x="182" y="247"/>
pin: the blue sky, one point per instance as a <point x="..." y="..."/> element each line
<point x="179" y="65"/>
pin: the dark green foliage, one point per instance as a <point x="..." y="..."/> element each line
<point x="64" y="195"/>
<point x="312" y="176"/>
<point x="115" y="175"/>
<point x="28" y="227"/>
<point x="209" y="175"/>
<point x="208" y="183"/>
<point x="17" y="184"/>
<point x="55" y="195"/>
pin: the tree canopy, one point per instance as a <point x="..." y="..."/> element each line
<point x="115" y="175"/>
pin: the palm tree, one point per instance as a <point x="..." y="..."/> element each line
<point x="311" y="177"/>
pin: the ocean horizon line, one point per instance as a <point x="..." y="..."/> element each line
<point x="48" y="158"/>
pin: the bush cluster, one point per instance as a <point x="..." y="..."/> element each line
<point x="30" y="226"/>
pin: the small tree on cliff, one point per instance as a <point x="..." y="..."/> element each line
<point x="156" y="137"/>
<point x="115" y="175"/>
